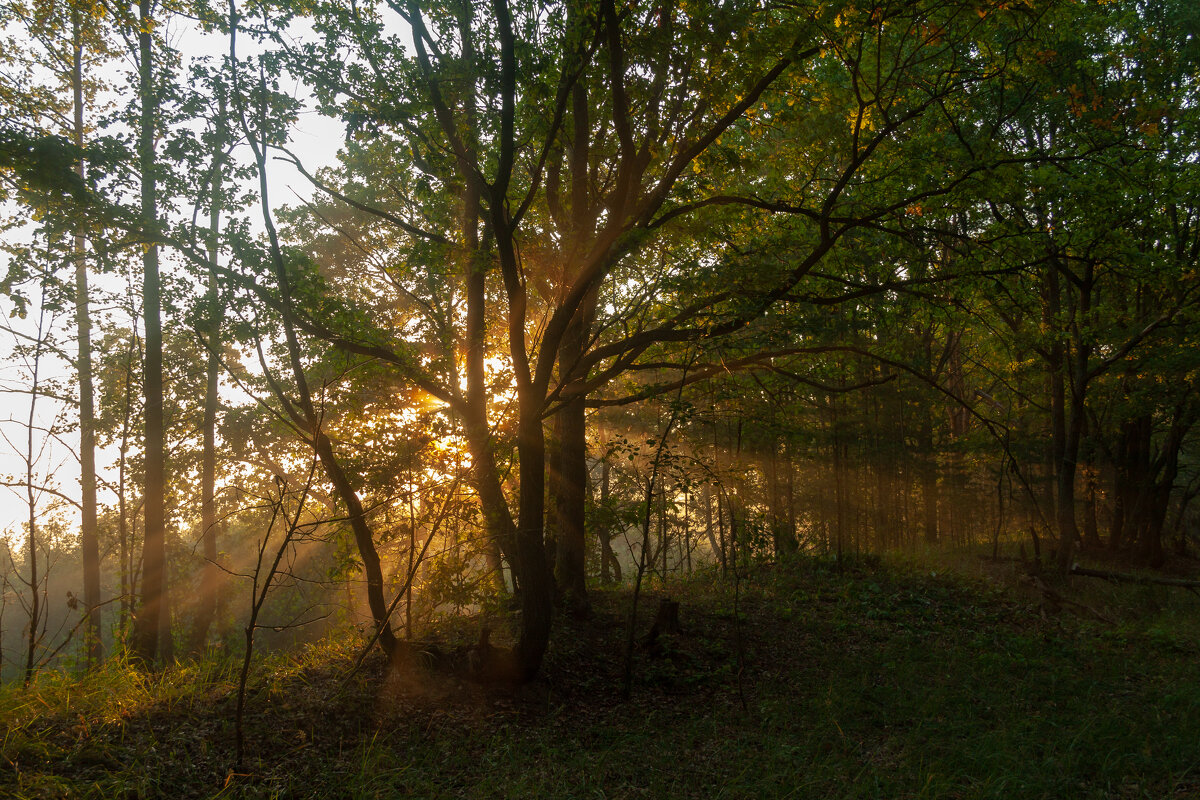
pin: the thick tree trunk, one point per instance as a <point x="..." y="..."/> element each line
<point x="1123" y="488"/>
<point x="530" y="562"/>
<point x="1068" y="529"/>
<point x="1139" y="481"/>
<point x="571" y="556"/>
<point x="485" y="475"/>
<point x="570" y="564"/>
<point x="1166" y="467"/>
<point x="1143" y="485"/>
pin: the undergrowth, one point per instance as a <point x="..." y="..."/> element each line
<point x="897" y="679"/>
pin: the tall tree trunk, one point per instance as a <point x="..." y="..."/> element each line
<point x="1166" y="469"/>
<point x="782" y="539"/>
<point x="363" y="538"/>
<point x="88" y="538"/>
<point x="790" y="493"/>
<point x="663" y="533"/>
<point x="128" y="580"/>
<point x="1068" y="530"/>
<point x="929" y="475"/>
<point x="903" y="482"/>
<point x="412" y="552"/>
<point x="955" y="479"/>
<point x="571" y="566"/>
<point x="485" y="474"/>
<point x="734" y="504"/>
<point x="35" y="608"/>
<point x="839" y="482"/>
<point x="553" y="489"/>
<point x="530" y="562"/>
<point x="686" y="538"/>
<point x="610" y="567"/>
<point x="1091" y="523"/>
<point x="36" y="612"/>
<point x="723" y="548"/>
<point x="497" y="517"/>
<point x="210" y="580"/>
<point x="1134" y="483"/>
<point x="571" y="559"/>
<point x="725" y="544"/>
<point x="1055" y="363"/>
<point x="710" y="530"/>
<point x="305" y="412"/>
<point x="151" y="625"/>
<point x="880" y="516"/>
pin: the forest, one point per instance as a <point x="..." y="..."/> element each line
<point x="510" y="355"/>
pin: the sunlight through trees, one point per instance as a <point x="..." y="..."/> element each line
<point x="585" y="293"/>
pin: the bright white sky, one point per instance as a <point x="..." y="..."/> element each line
<point x="315" y="140"/>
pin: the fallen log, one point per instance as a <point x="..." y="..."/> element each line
<point x="1143" y="580"/>
<point x="1054" y="601"/>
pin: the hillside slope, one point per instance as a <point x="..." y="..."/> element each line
<point x="873" y="681"/>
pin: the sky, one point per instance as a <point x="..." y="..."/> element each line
<point x="315" y="140"/>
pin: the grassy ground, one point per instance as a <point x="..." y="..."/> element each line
<point x="896" y="681"/>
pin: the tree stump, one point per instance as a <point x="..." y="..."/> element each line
<point x="665" y="621"/>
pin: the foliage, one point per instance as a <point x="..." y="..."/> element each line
<point x="903" y="276"/>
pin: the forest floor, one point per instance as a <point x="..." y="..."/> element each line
<point x="880" y="680"/>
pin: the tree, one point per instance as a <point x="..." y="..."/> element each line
<point x="494" y="105"/>
<point x="152" y="620"/>
<point x="219" y="137"/>
<point x="67" y="39"/>
<point x="1098" y="283"/>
